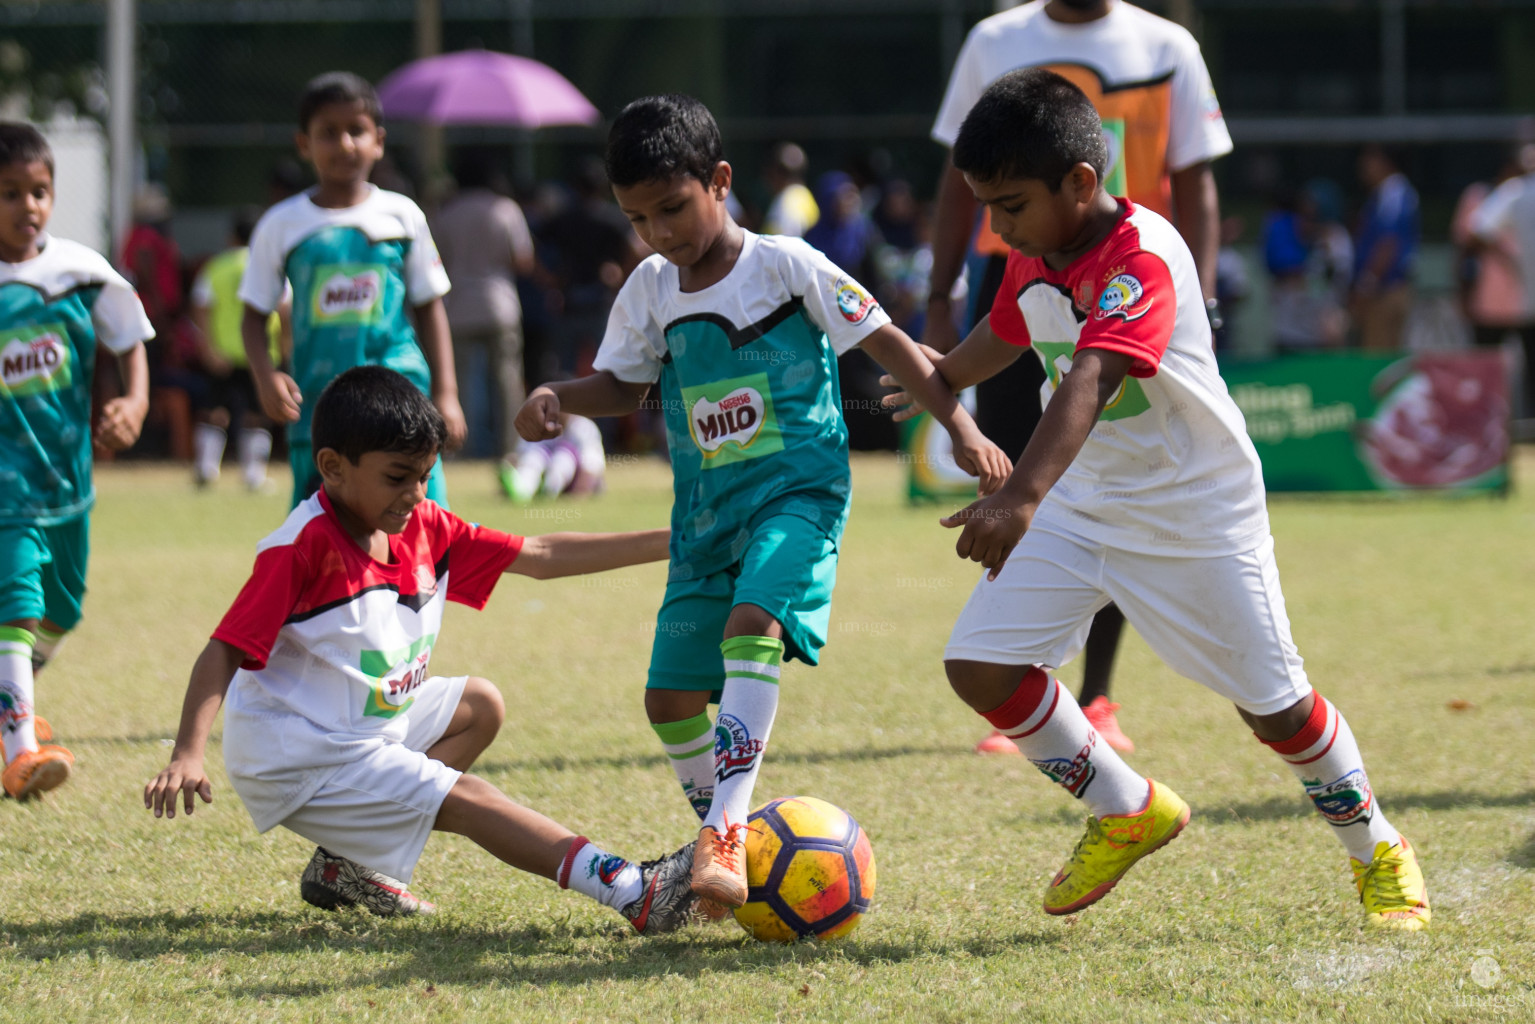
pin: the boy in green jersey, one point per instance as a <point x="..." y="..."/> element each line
<point x="740" y="334"/>
<point x="356" y="256"/>
<point x="59" y="302"/>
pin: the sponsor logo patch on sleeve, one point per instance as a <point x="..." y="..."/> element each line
<point x="1122" y="297"/>
<point x="853" y="302"/>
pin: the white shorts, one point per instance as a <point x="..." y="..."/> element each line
<point x="1219" y="621"/>
<point x="379" y="809"/>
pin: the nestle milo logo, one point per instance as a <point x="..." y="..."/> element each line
<point x="350" y="292"/>
<point x="731" y="420"/>
<point x="394" y="677"/>
<point x="34" y="360"/>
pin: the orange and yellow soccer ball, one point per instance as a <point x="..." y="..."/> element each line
<point x="809" y="871"/>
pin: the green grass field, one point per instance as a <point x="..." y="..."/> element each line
<point x="1403" y="610"/>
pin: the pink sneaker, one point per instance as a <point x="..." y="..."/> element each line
<point x="996" y="743"/>
<point x="1100" y="712"/>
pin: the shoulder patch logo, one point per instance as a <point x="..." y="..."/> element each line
<point x="1121" y="297"/>
<point x="854" y="303"/>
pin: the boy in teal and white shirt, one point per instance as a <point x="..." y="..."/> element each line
<point x="356" y="256"/>
<point x="740" y="335"/>
<point x="59" y="301"/>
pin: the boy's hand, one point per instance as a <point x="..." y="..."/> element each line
<point x="993" y="526"/>
<point x="539" y="417"/>
<point x="901" y="401"/>
<point x="453" y="419"/>
<point x="977" y="456"/>
<point x="280" y="396"/>
<point x="120" y="422"/>
<point x="182" y="775"/>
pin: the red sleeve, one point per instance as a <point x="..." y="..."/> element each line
<point x="1134" y="312"/>
<point x="477" y="556"/>
<point x="264" y="604"/>
<point x="1006" y="318"/>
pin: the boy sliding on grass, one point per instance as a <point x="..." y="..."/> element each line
<point x="1140" y="487"/>
<point x="61" y="304"/>
<point x="741" y="333"/>
<point x="333" y="727"/>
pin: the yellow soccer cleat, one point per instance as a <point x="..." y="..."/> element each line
<point x="1391" y="888"/>
<point x="1111" y="847"/>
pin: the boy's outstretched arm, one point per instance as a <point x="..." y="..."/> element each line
<point x="122" y="418"/>
<point x="211" y="676"/>
<point x="915" y="372"/>
<point x="981" y="356"/>
<point x="994" y="525"/>
<point x="573" y="554"/>
<point x="277" y="392"/>
<point x="600" y="394"/>
<point x="437" y="345"/>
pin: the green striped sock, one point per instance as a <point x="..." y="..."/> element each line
<point x="748" y="705"/>
<point x="45" y="646"/>
<point x="690" y="747"/>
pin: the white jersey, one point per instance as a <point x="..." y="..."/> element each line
<point x="1144" y="74"/>
<point x="336" y="643"/>
<point x="1169" y="468"/>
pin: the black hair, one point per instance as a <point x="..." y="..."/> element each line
<point x="21" y="143"/>
<point x="476" y="167"/>
<point x="338" y="87"/>
<point x="1030" y="124"/>
<point x="244" y="223"/>
<point x="656" y="138"/>
<point x="375" y="409"/>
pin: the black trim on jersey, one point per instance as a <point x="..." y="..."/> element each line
<point x="66" y="293"/>
<point x="740" y="337"/>
<point x="415" y="602"/>
<point x="1041" y="282"/>
<point x="1103" y="83"/>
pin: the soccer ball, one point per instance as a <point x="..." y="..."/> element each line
<point x="809" y="871"/>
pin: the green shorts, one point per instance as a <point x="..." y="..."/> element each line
<point x="788" y="569"/>
<point x="42" y="571"/>
<point x="306" y="479"/>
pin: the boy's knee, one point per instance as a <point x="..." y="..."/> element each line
<point x="662" y="706"/>
<point x="485" y="701"/>
<point x="983" y="686"/>
<point x="1281" y="725"/>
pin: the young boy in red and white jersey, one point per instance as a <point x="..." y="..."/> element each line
<point x="333" y="727"/>
<point x="1139" y="486"/>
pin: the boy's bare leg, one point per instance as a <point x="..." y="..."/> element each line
<point x="474" y="725"/>
<point x="518" y="835"/>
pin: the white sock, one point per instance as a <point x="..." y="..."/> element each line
<point x="255" y="450"/>
<point x="748" y="705"/>
<point x="208" y="446"/>
<point x="16" y="692"/>
<point x="605" y="877"/>
<point x="1052" y="732"/>
<point x="690" y="748"/>
<point x="561" y="471"/>
<point x="1324" y="756"/>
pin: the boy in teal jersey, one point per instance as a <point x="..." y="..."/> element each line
<point x="58" y="301"/>
<point x="741" y="334"/>
<point x="356" y="257"/>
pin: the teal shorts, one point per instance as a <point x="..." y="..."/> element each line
<point x="306" y="479"/>
<point x="42" y="571"/>
<point x="788" y="569"/>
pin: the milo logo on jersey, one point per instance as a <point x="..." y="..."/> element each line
<point x="1129" y="400"/>
<point x="347" y="293"/>
<point x="733" y="420"/>
<point x="394" y="677"/>
<point x="35" y="360"/>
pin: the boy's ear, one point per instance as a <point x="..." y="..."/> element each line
<point x="301" y="143"/>
<point x="720" y="184"/>
<point x="328" y="461"/>
<point x="1083" y="181"/>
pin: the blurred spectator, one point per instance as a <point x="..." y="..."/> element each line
<point x="1232" y="285"/>
<point x="904" y="259"/>
<point x="843" y="233"/>
<point x="792" y="210"/>
<point x="1384" y="248"/>
<point x="1308" y="255"/>
<point x="1510" y="209"/>
<point x="216" y="311"/>
<point x="572" y="463"/>
<point x="287" y="179"/>
<point x="1491" y="289"/>
<point x="592" y="249"/>
<point x="485" y="246"/>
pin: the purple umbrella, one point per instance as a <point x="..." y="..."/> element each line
<point x="483" y="87"/>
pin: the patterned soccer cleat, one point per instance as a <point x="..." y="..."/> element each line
<point x="36" y="771"/>
<point x="1100" y="713"/>
<point x="1111" y="846"/>
<point x="666" y="900"/>
<point x="719" y="865"/>
<point x="330" y="882"/>
<point x="40" y="728"/>
<point x="1392" y="889"/>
